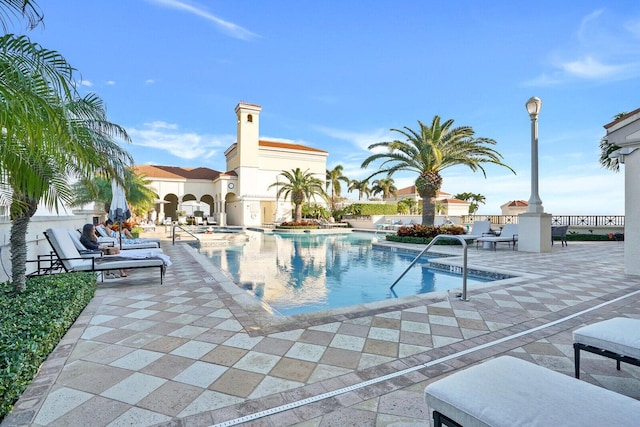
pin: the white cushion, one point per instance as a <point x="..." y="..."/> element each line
<point x="507" y="391"/>
<point x="619" y="335"/>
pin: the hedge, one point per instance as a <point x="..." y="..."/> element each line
<point x="33" y="323"/>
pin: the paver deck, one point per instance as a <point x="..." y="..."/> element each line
<point x="198" y="351"/>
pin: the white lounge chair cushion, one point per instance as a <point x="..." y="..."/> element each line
<point x="478" y="229"/>
<point x="507" y="391"/>
<point x="64" y="246"/>
<point x="619" y="335"/>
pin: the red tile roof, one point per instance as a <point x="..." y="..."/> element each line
<point x="516" y="203"/>
<point x="608" y="125"/>
<point x="176" y="172"/>
<point x="412" y="190"/>
<point x="290" y="146"/>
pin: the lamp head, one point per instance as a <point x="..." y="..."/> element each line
<point x="533" y="106"/>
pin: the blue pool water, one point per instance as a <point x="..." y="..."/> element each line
<point x="306" y="273"/>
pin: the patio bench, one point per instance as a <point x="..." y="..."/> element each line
<point x="508" y="392"/>
<point x="617" y="338"/>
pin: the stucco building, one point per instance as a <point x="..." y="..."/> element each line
<point x="625" y="133"/>
<point x="451" y="206"/>
<point x="241" y="195"/>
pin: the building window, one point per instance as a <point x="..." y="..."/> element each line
<point x="250" y="118"/>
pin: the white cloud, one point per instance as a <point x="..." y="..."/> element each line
<point x="601" y="50"/>
<point x="84" y="82"/>
<point x="361" y="140"/>
<point x="229" y="28"/>
<point x="110" y="83"/>
<point x="149" y="81"/>
<point x="168" y="137"/>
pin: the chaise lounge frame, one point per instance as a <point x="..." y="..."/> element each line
<point x="69" y="258"/>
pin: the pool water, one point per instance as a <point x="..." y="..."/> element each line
<point x="305" y="273"/>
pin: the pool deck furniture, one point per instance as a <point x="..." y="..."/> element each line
<point x="71" y="260"/>
<point x="509" y="235"/>
<point x="617" y="338"/>
<point x="561" y="232"/>
<point x="507" y="391"/>
<point x="478" y="229"/>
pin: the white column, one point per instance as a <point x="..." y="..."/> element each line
<point x="631" y="209"/>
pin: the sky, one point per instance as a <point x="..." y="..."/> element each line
<point x="339" y="75"/>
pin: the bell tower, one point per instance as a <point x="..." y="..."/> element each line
<point x="248" y="134"/>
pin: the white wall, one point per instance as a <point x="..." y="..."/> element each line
<point x="37" y="244"/>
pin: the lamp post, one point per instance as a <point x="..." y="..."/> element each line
<point x="533" y="108"/>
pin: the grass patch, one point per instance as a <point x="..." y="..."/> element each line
<point x="33" y="323"/>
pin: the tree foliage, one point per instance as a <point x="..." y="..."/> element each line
<point x="50" y="135"/>
<point x="430" y="150"/>
<point x="300" y="186"/>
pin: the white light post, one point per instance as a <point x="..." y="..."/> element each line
<point x="533" y="108"/>
<point x="534" y="226"/>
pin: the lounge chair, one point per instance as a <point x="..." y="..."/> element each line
<point x="508" y="235"/>
<point x="507" y="391"/>
<point x="561" y="232"/>
<point x="112" y="241"/>
<point x="617" y="338"/>
<point x="72" y="261"/>
<point x="478" y="229"/>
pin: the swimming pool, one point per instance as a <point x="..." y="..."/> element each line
<point x="302" y="273"/>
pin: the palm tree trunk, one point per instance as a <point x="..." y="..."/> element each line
<point x="298" y="212"/>
<point x="428" y="210"/>
<point x="18" y="242"/>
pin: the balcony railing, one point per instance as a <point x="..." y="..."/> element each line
<point x="571" y="220"/>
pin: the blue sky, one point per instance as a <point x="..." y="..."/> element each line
<point x="337" y="75"/>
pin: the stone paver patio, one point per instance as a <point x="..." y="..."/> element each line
<point x="199" y="351"/>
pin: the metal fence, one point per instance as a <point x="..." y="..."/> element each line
<point x="571" y="220"/>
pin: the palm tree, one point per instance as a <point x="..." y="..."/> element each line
<point x="49" y="135"/>
<point x="606" y="149"/>
<point x="301" y="186"/>
<point x="429" y="151"/>
<point x="28" y="9"/>
<point x="384" y="186"/>
<point x="474" y="198"/>
<point x="361" y="186"/>
<point x="98" y="190"/>
<point x="334" y="176"/>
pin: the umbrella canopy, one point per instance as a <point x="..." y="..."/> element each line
<point x="119" y="209"/>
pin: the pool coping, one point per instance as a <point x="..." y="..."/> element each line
<point x="260" y="319"/>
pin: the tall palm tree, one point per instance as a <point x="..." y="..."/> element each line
<point x="430" y="150"/>
<point x="606" y="149"/>
<point x="50" y="134"/>
<point x="301" y="186"/>
<point x="384" y="186"/>
<point x="334" y="176"/>
<point x="361" y="186"/>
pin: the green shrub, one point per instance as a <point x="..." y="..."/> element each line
<point x="575" y="237"/>
<point x="292" y="225"/>
<point x="372" y="209"/>
<point x="33" y="323"/>
<point x="418" y="233"/>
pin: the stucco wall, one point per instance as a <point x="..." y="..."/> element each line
<point x="37" y="244"/>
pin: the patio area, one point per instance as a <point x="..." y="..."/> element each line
<point x="199" y="351"/>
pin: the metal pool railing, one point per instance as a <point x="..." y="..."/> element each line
<point x="173" y="234"/>
<point x="424" y="251"/>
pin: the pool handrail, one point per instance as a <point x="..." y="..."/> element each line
<point x="173" y="233"/>
<point x="464" y="261"/>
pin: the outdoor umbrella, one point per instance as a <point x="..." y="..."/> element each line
<point x="119" y="210"/>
